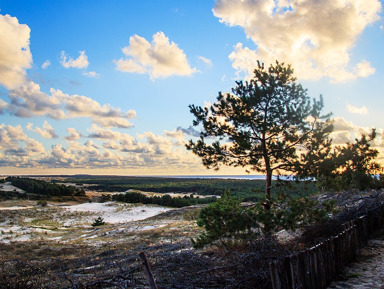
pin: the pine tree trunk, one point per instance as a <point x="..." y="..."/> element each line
<point x="268" y="186"/>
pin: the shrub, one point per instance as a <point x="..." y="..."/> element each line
<point x="227" y="220"/>
<point x="191" y="215"/>
<point x="98" y="222"/>
<point x="42" y="203"/>
<point x="291" y="213"/>
<point x="224" y="220"/>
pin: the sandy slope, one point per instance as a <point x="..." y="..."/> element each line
<point x="113" y="212"/>
<point x="368" y="271"/>
<point x="24" y="223"/>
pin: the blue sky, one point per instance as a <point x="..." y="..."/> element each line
<point x="104" y="86"/>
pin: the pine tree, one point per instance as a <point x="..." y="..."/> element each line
<point x="259" y="125"/>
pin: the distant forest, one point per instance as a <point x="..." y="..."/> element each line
<point x="247" y="190"/>
<point x="38" y="189"/>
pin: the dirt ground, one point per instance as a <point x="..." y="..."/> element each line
<point x="368" y="270"/>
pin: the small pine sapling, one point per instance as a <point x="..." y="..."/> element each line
<point x="98" y="222"/>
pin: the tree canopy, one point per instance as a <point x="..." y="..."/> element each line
<point x="258" y="126"/>
<point x="342" y="167"/>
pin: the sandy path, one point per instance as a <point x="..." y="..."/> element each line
<point x="368" y="270"/>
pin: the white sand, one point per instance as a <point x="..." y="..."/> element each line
<point x="8" y="187"/>
<point x="113" y="212"/>
<point x="77" y="216"/>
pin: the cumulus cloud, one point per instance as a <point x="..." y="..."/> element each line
<point x="105" y="115"/>
<point x="15" y="54"/>
<point x="46" y="64"/>
<point x="177" y="135"/>
<point x="191" y="131"/>
<point x="46" y="131"/>
<point x="113" y="122"/>
<point x="104" y="149"/>
<point x="316" y="37"/>
<point x="357" y="110"/>
<point x="160" y="58"/>
<point x="80" y="62"/>
<point x="29" y="101"/>
<point x="73" y="134"/>
<point x="101" y="133"/>
<point x="347" y="131"/>
<point x="26" y="97"/>
<point x="17" y="149"/>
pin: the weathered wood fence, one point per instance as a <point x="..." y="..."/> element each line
<point x="316" y="267"/>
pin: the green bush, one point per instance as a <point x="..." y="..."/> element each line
<point x="227" y="220"/>
<point x="291" y="213"/>
<point x="191" y="215"/>
<point x="224" y="220"/>
<point x="98" y="222"/>
<point x="42" y="203"/>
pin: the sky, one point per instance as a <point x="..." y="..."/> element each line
<point x="103" y="87"/>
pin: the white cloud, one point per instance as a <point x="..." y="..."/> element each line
<point x="178" y="135"/>
<point x="347" y="131"/>
<point x="82" y="106"/>
<point x="17" y="149"/>
<point x="316" y="37"/>
<point x="15" y="55"/>
<point x="26" y="97"/>
<point x="46" y="64"/>
<point x="206" y="60"/>
<point x="160" y="58"/>
<point x="73" y="134"/>
<point x="3" y="106"/>
<point x="364" y="69"/>
<point x="101" y="133"/>
<point x="113" y="122"/>
<point x="47" y="131"/>
<point x="357" y="110"/>
<point x="104" y="149"/>
<point x="91" y="74"/>
<point x="28" y="101"/>
<point x="340" y="124"/>
<point x="80" y="62"/>
<point x="190" y="131"/>
<point x="244" y="60"/>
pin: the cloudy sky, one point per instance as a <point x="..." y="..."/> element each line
<point x="103" y="87"/>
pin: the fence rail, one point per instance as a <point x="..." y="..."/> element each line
<point x="316" y="267"/>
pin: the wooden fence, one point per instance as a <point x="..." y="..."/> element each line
<point x="316" y="267"/>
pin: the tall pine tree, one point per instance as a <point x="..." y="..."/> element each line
<point x="258" y="126"/>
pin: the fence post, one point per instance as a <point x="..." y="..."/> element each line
<point x="147" y="269"/>
<point x="275" y="278"/>
<point x="302" y="272"/>
<point x="316" y="267"/>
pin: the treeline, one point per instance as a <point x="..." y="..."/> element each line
<point x="12" y="195"/>
<point x="43" y="188"/>
<point x="247" y="190"/>
<point x="165" y="200"/>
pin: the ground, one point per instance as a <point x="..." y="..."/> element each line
<point x="57" y="245"/>
<point x="368" y="270"/>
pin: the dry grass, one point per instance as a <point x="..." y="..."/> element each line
<point x="60" y="249"/>
<point x="107" y="256"/>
